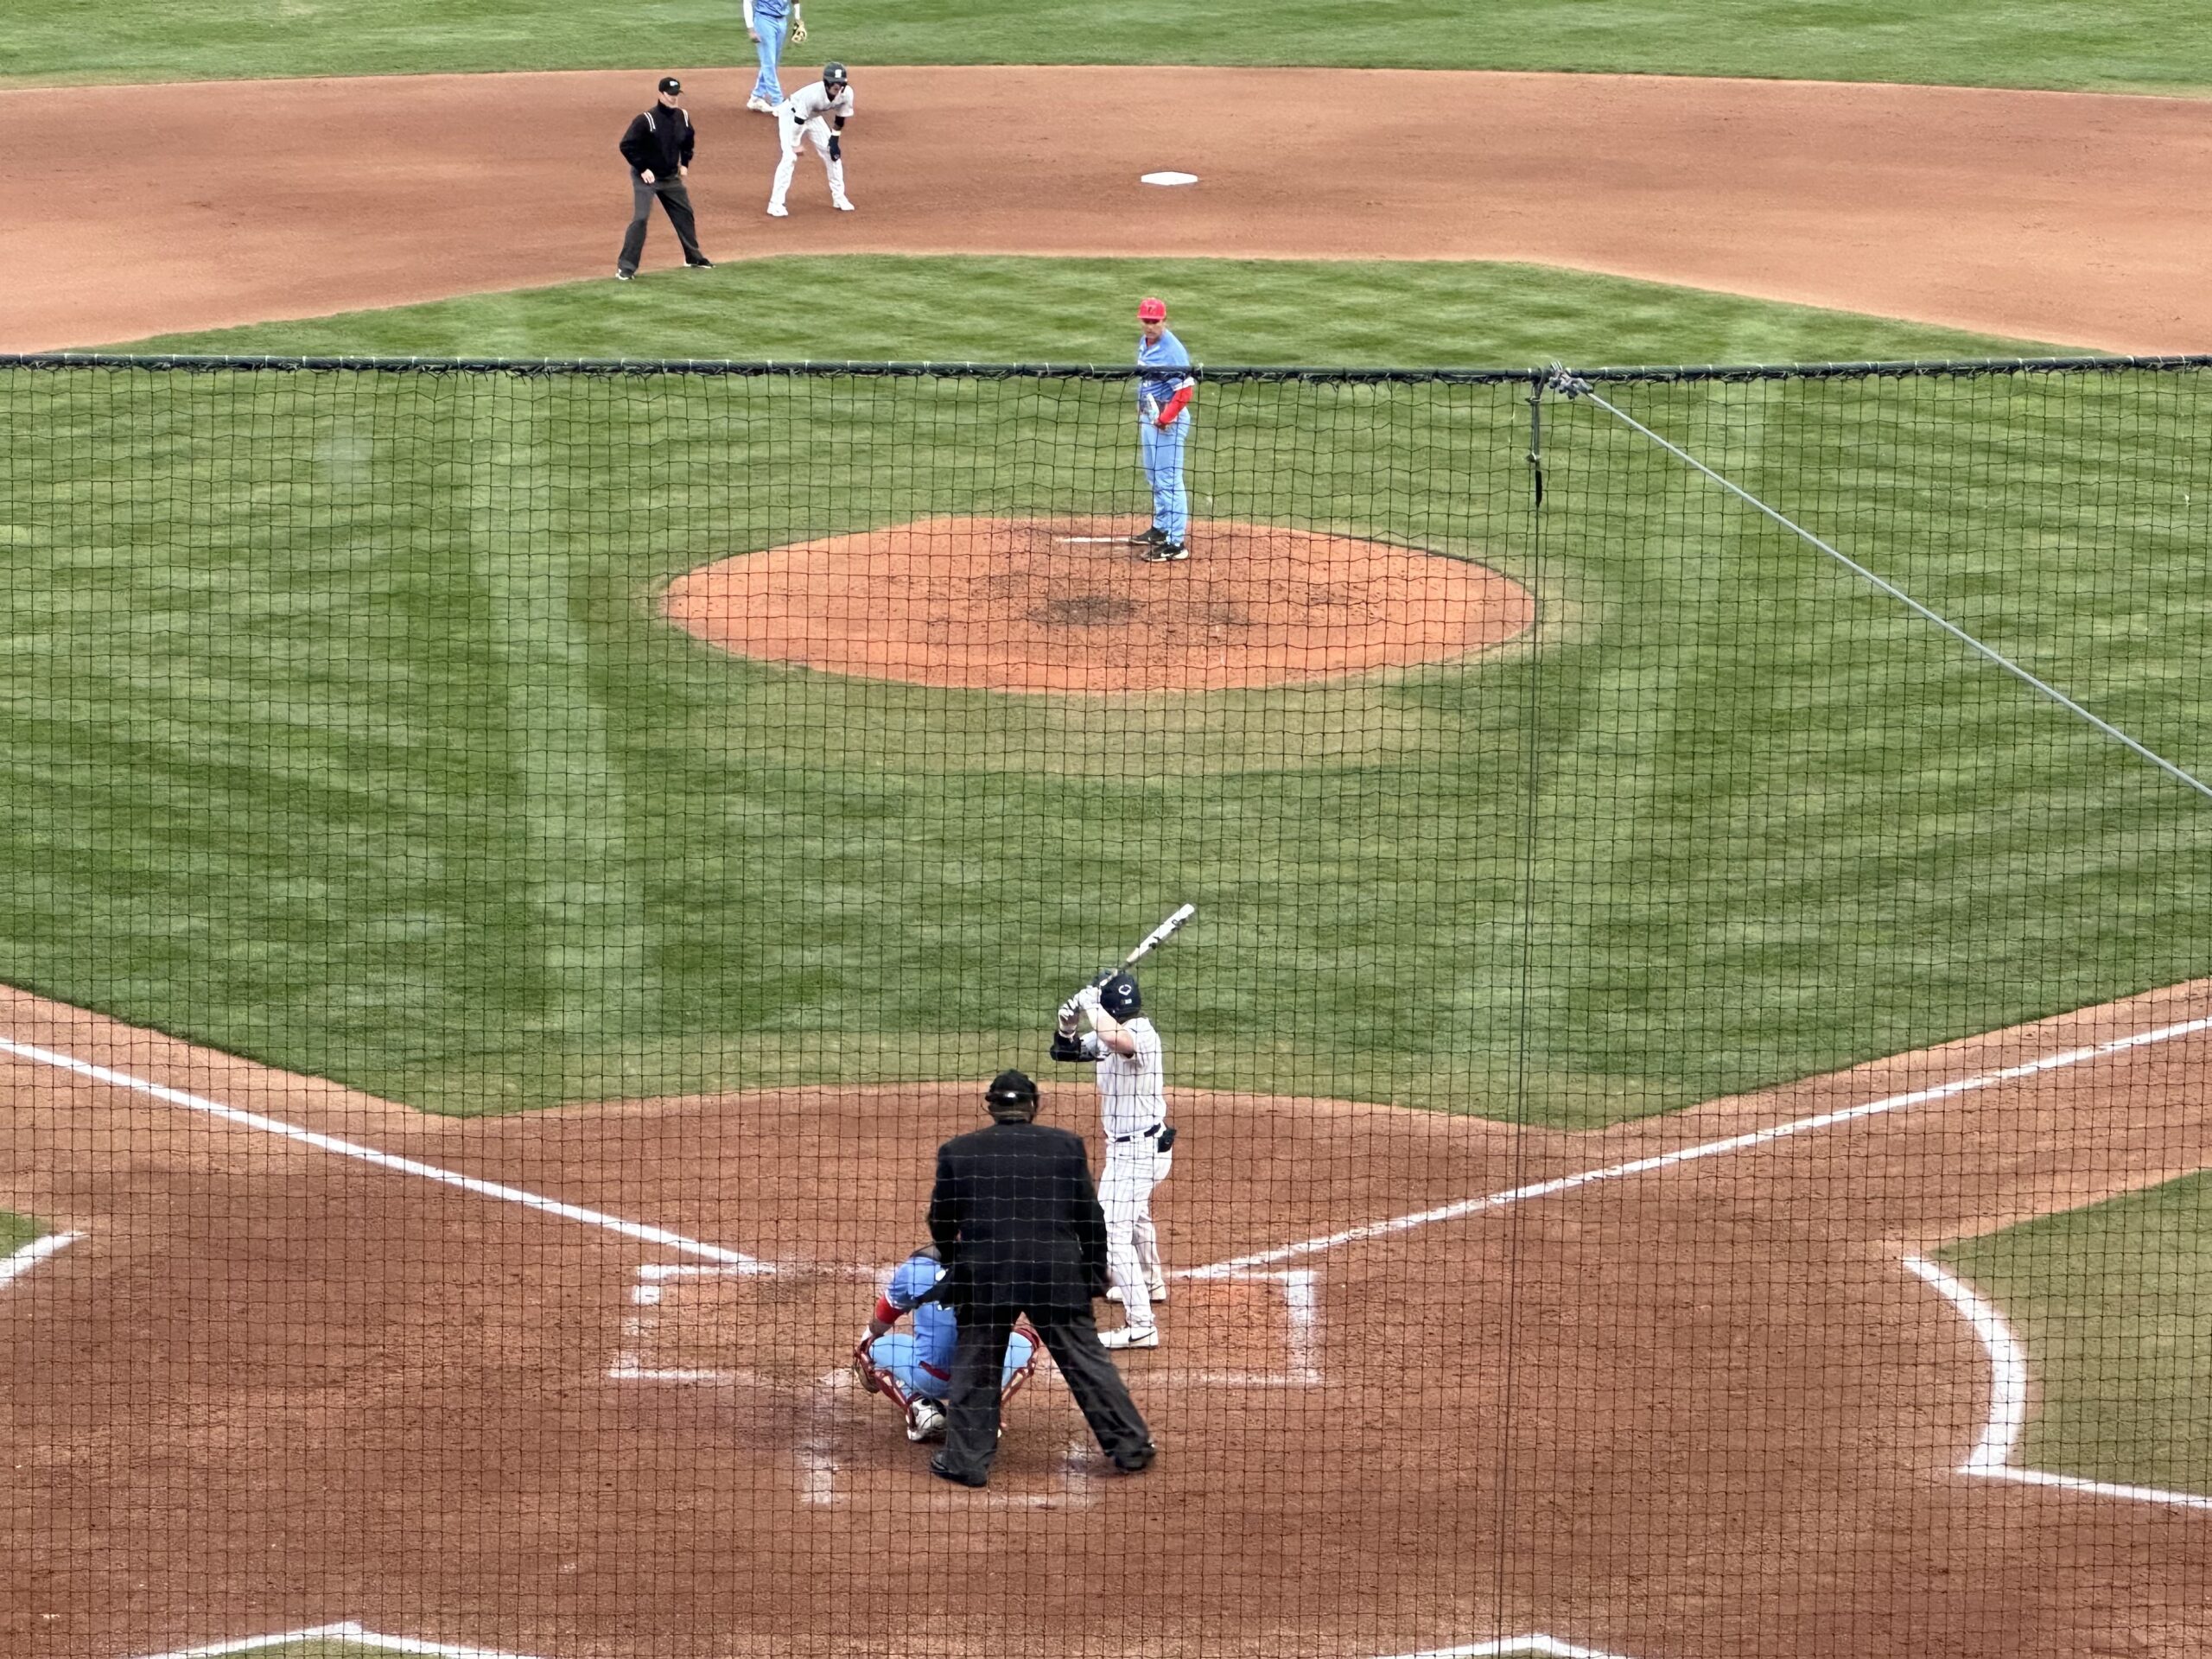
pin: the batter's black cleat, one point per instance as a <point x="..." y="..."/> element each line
<point x="1138" y="1461"/>
<point x="1152" y="535"/>
<point x="1166" y="553"/>
<point x="938" y="1468"/>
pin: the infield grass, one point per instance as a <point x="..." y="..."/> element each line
<point x="15" y="1231"/>
<point x="2111" y="1303"/>
<point x="1000" y="309"/>
<point x="2157" y="45"/>
<point x="341" y="732"/>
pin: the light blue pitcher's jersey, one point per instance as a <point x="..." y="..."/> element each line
<point x="936" y="1327"/>
<point x="1168" y="354"/>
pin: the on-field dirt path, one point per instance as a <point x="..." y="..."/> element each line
<point x="1692" y="1411"/>
<point x="2065" y="218"/>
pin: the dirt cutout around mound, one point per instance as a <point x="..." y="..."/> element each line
<point x="1016" y="605"/>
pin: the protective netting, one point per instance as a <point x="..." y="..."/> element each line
<point x="1686" y="1065"/>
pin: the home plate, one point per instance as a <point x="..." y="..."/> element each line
<point x="1169" y="178"/>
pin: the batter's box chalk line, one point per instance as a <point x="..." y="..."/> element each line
<point x="22" y="1261"/>
<point x="1991" y="1457"/>
<point x="634" y="1357"/>
<point x="348" y="1632"/>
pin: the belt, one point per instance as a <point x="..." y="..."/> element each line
<point x="1142" y="1135"/>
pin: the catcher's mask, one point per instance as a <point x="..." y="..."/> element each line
<point x="1119" y="996"/>
<point x="1011" y="1098"/>
<point x="833" y="75"/>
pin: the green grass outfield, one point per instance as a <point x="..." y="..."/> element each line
<point x="2111" y="1303"/>
<point x="2124" y="45"/>
<point x="339" y="731"/>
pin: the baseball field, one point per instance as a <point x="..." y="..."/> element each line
<point x="525" y="825"/>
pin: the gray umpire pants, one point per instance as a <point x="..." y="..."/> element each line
<point x="677" y="201"/>
<point x="971" y="1439"/>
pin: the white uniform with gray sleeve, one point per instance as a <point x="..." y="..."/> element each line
<point x="1133" y="1105"/>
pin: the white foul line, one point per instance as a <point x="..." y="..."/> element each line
<point x="15" y="1266"/>
<point x="347" y="1632"/>
<point x="1704" y="1149"/>
<point x="1534" y="1643"/>
<point x="371" y="1155"/>
<point x="1991" y="1457"/>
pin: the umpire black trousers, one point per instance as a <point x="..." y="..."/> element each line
<point x="677" y="201"/>
<point x="971" y="1437"/>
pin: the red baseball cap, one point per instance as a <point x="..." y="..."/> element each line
<point x="1152" y="310"/>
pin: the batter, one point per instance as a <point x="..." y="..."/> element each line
<point x="1140" y="1143"/>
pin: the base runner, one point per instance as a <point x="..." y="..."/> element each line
<point x="818" y="110"/>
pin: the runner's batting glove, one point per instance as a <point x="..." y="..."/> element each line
<point x="1151" y="411"/>
<point x="837" y="150"/>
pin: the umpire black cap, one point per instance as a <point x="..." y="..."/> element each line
<point x="671" y="84"/>
<point x="1011" y="1091"/>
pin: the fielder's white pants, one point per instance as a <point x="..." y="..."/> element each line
<point x="794" y="133"/>
<point x="1132" y="1241"/>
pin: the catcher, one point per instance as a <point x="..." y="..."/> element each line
<point x="915" y="1372"/>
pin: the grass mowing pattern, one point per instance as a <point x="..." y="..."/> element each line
<point x="885" y="307"/>
<point x="2127" y="45"/>
<point x="2111" y="1303"/>
<point x="340" y="732"/>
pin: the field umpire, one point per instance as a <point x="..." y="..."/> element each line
<point x="1017" y="1220"/>
<point x="658" y="148"/>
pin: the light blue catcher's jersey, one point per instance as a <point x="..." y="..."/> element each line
<point x="935" y="1329"/>
<point x="1167" y="354"/>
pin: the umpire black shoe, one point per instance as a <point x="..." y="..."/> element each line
<point x="1166" y="552"/>
<point x="700" y="265"/>
<point x="622" y="275"/>
<point x="938" y="1468"/>
<point x="1151" y="536"/>
<point x="1139" y="1461"/>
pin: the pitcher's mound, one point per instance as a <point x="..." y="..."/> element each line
<point x="1004" y="605"/>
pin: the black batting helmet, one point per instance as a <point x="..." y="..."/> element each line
<point x="1119" y="996"/>
<point x="1011" y="1091"/>
<point x="833" y="74"/>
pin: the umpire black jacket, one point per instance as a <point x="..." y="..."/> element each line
<point x="1017" y="1218"/>
<point x="661" y="138"/>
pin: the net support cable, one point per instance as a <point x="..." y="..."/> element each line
<point x="1570" y="386"/>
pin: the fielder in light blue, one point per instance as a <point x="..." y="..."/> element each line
<point x="922" y="1361"/>
<point x="1163" y="427"/>
<point x="771" y="23"/>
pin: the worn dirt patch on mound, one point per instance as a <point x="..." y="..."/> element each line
<point x="1005" y="604"/>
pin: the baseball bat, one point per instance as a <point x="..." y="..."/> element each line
<point x="1151" y="940"/>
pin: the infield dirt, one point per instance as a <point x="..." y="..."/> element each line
<point x="1698" y="1411"/>
<point x="2058" y="217"/>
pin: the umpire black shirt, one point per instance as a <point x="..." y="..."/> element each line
<point x="1017" y="1218"/>
<point x="659" y="139"/>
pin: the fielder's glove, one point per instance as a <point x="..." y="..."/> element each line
<point x="799" y="32"/>
<point x="836" y="151"/>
